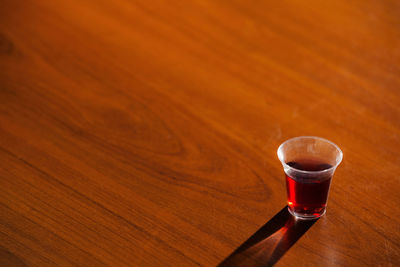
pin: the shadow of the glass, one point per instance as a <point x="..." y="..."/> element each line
<point x="266" y="246"/>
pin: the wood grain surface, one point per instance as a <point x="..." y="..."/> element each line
<point x="144" y="133"/>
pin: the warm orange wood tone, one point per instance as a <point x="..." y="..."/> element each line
<point x="145" y="132"/>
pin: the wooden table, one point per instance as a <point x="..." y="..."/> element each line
<point x="145" y="132"/>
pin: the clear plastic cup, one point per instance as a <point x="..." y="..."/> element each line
<point x="309" y="163"/>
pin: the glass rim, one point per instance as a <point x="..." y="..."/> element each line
<point x="280" y="156"/>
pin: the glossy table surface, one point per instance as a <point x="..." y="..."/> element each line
<point x="145" y="132"/>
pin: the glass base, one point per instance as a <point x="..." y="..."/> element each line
<point x="302" y="216"/>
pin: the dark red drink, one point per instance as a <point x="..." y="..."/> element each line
<point x="308" y="193"/>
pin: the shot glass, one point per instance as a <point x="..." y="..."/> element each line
<point x="309" y="163"/>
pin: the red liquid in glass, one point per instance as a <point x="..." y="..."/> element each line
<point x="308" y="196"/>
